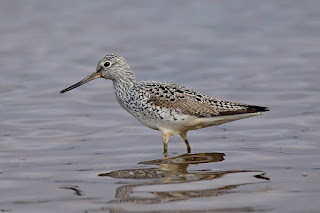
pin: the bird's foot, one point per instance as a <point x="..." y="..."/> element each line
<point x="188" y="149"/>
<point x="165" y="154"/>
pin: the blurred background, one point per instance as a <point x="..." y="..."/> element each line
<point x="54" y="146"/>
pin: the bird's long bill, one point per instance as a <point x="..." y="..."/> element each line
<point x="83" y="81"/>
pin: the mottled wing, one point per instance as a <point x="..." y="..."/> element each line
<point x="187" y="106"/>
<point x="190" y="102"/>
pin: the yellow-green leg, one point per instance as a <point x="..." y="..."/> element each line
<point x="184" y="137"/>
<point x="165" y="138"/>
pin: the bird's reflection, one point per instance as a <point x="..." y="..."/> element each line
<point x="164" y="184"/>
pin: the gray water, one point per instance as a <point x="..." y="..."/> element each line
<point x="81" y="152"/>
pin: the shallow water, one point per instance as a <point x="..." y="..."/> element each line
<point x="81" y="152"/>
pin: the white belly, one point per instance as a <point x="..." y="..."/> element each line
<point x="183" y="123"/>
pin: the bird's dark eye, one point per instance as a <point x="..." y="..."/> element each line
<point x="107" y="64"/>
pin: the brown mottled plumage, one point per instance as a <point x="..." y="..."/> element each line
<point x="169" y="108"/>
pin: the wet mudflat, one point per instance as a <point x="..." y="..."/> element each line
<point x="81" y="152"/>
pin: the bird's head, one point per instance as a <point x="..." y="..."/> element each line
<point x="111" y="67"/>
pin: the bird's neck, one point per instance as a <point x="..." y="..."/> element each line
<point x="123" y="85"/>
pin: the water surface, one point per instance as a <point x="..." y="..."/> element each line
<point x="81" y="152"/>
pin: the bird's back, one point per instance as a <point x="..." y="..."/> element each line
<point x="171" y="104"/>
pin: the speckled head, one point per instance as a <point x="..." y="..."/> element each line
<point x="113" y="67"/>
